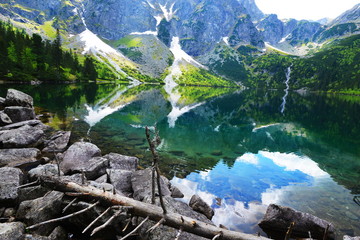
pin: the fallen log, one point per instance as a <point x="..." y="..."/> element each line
<point x="154" y="213"/>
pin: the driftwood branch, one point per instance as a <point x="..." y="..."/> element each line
<point x="96" y="219"/>
<point x="62" y="218"/>
<point x="289" y="231"/>
<point x="108" y="222"/>
<point x="154" y="213"/>
<point x="135" y="229"/>
<point x="156" y="225"/>
<point x="152" y="145"/>
<point x="70" y="203"/>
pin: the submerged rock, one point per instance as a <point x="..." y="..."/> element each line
<point x="13" y="231"/>
<point x="277" y="220"/>
<point x="78" y="156"/>
<point x="17" y="98"/>
<point x="19" y="114"/>
<point x="201" y="206"/>
<point x="10" y="180"/>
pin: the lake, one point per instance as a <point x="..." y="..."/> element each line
<point x="240" y="150"/>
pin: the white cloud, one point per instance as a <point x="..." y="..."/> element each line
<point x="306" y="9"/>
<point x="292" y="162"/>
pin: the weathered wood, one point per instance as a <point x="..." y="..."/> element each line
<point x="154" y="213"/>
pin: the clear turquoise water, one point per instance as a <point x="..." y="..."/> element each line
<point x="233" y="148"/>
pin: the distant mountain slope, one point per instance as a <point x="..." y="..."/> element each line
<point x="352" y="15"/>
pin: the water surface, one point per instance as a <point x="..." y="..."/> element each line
<point x="239" y="150"/>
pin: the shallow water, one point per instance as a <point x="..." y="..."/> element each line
<point x="233" y="148"/>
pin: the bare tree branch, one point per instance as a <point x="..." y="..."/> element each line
<point x="137" y="228"/>
<point x="62" y="218"/>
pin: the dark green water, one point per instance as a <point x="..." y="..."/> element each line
<point x="234" y="149"/>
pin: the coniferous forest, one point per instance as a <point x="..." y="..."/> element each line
<point x="26" y="58"/>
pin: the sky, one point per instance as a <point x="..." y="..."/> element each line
<point x="306" y="9"/>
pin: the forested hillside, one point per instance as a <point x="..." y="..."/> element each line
<point x="336" y="67"/>
<point x="26" y="58"/>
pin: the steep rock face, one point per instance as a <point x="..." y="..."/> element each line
<point x="251" y="7"/>
<point x="352" y="15"/>
<point x="272" y="28"/>
<point x="303" y="32"/>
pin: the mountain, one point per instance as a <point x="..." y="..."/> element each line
<point x="183" y="41"/>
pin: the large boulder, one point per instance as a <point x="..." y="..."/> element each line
<point x="277" y="220"/>
<point x="41" y="209"/>
<point x="121" y="180"/>
<point x="17" y="98"/>
<point x="25" y="136"/>
<point x="4" y="119"/>
<point x="10" y="180"/>
<point x="118" y="161"/>
<point x="13" y="231"/>
<point x="20" y="114"/>
<point x="141" y="182"/>
<point x="201" y="206"/>
<point x="57" y="143"/>
<point x="165" y="232"/>
<point x="20" y="124"/>
<point x="94" y="168"/>
<point x="31" y="193"/>
<point x="76" y="158"/>
<point x="50" y="170"/>
<point x="18" y="157"/>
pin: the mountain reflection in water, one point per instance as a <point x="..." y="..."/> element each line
<point x="235" y="148"/>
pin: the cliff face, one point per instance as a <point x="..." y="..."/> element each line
<point x="350" y="16"/>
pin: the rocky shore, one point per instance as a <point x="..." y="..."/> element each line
<point x="30" y="150"/>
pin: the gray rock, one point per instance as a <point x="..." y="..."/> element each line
<point x="35" y="237"/>
<point x="78" y="156"/>
<point x="118" y="161"/>
<point x="20" y="124"/>
<point x="121" y="180"/>
<point x="104" y="186"/>
<point x="141" y="184"/>
<point x="4" y="119"/>
<point x="59" y="233"/>
<point x="25" y="136"/>
<point x="76" y="178"/>
<point x="41" y="209"/>
<point x="176" y="193"/>
<point x="58" y="142"/>
<point x="19" y="114"/>
<point x="31" y="193"/>
<point x="346" y="237"/>
<point x="13" y="231"/>
<point x="201" y="206"/>
<point x="2" y="103"/>
<point x="277" y="219"/>
<point x="10" y="179"/>
<point x="164" y="232"/>
<point x="94" y="168"/>
<point x="44" y="170"/>
<point x="18" y="157"/>
<point x="102" y="179"/>
<point x="17" y="98"/>
<point x="9" y="212"/>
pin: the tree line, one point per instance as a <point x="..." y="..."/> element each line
<point x="25" y="58"/>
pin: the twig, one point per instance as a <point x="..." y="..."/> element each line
<point x="156" y="225"/>
<point x="30" y="184"/>
<point x="127" y="225"/>
<point x="63" y="218"/>
<point x="288" y="233"/>
<point x="310" y="235"/>
<point x="326" y="232"/>
<point x="106" y="223"/>
<point x="70" y="203"/>
<point x="153" y="185"/>
<point x="75" y="194"/>
<point x="217" y="236"/>
<point x="356" y="200"/>
<point x="96" y="219"/>
<point x="178" y="233"/>
<point x="137" y="228"/>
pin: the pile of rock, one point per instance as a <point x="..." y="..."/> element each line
<point x="30" y="150"/>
